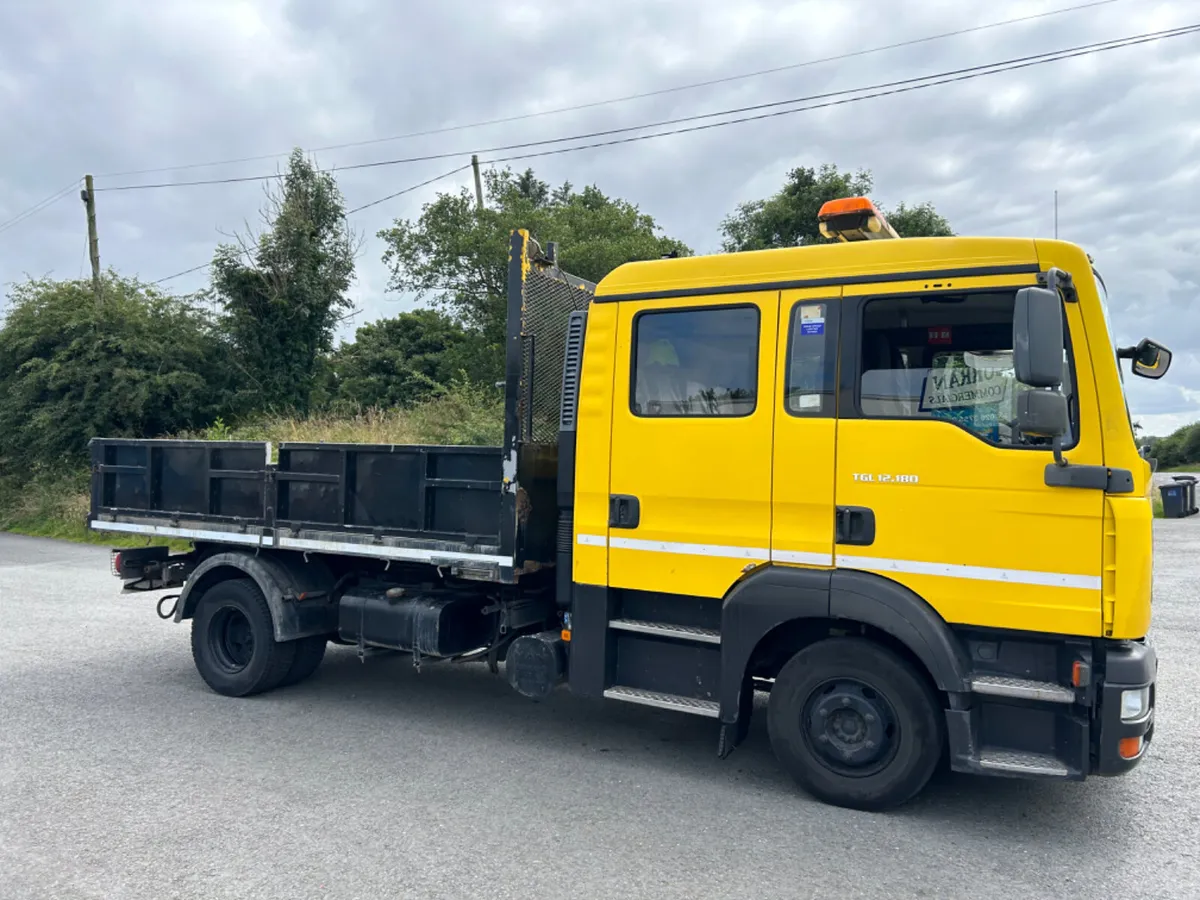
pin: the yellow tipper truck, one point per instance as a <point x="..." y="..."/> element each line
<point x="891" y="482"/>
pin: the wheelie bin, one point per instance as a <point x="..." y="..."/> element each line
<point x="1174" y="500"/>
<point x="1189" y="493"/>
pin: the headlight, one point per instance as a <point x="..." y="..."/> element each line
<point x="1135" y="704"/>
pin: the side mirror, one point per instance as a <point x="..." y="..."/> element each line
<point x="1151" y="359"/>
<point x="1038" y="338"/>
<point x="1043" y="414"/>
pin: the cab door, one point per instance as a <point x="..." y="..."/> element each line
<point x="693" y="415"/>
<point x="935" y="487"/>
<point x="806" y="428"/>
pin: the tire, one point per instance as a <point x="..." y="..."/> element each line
<point x="309" y="653"/>
<point x="233" y="640"/>
<point x="855" y="725"/>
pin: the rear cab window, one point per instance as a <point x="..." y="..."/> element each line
<point x="698" y="363"/>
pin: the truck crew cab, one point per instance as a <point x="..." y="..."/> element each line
<point x="892" y="482"/>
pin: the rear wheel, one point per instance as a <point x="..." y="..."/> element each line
<point x="855" y="724"/>
<point x="309" y="653"/>
<point x="233" y="640"/>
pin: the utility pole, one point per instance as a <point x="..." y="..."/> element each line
<point x="478" y="183"/>
<point x="89" y="200"/>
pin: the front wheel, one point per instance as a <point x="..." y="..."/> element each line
<point x="855" y="724"/>
<point x="233" y="640"/>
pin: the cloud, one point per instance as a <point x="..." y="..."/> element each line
<point x="136" y="85"/>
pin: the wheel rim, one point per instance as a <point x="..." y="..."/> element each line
<point x="231" y="639"/>
<point x="850" y="726"/>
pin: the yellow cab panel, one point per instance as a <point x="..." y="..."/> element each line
<point x="930" y="459"/>
<point x="693" y="416"/>
<point x="1128" y="534"/>
<point x="959" y="512"/>
<point x="595" y="404"/>
<point x="805" y="427"/>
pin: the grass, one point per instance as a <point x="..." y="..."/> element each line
<point x="467" y="417"/>
<point x="53" y="502"/>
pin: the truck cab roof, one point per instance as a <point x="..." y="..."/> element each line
<point x="818" y="265"/>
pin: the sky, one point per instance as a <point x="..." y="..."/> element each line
<point x="132" y="85"/>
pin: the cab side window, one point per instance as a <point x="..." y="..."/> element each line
<point x="695" y="362"/>
<point x="811" y="379"/>
<point x="948" y="357"/>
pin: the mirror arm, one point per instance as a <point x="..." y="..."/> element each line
<point x="1057" y="280"/>
<point x="1126" y="352"/>
<point x="1059" y="459"/>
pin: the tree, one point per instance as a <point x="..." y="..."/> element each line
<point x="400" y="361"/>
<point x="457" y="254"/>
<point x="921" y="220"/>
<point x="1180" y="448"/>
<point x="789" y="218"/>
<point x="143" y="365"/>
<point x="284" y="291"/>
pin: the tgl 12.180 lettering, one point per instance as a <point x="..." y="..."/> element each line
<point x="695" y="501"/>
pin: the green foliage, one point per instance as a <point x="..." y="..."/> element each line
<point x="217" y="431"/>
<point x="142" y="365"/>
<point x="457" y="254"/>
<point x="1180" y="448"/>
<point x="465" y="413"/>
<point x="284" y="292"/>
<point x="789" y="218"/>
<point x="462" y="413"/>
<point x="921" y="220"/>
<point x="400" y="361"/>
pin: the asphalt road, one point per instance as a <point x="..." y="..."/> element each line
<point x="122" y="776"/>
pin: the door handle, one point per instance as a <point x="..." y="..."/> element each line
<point x="854" y="525"/>
<point x="624" y="511"/>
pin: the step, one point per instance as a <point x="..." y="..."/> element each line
<point x="710" y="708"/>
<point x="1022" y="689"/>
<point x="1017" y="762"/>
<point x="662" y="629"/>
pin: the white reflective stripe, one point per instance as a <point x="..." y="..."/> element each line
<point x="621" y="543"/>
<point x="973" y="573"/>
<point x="380" y="551"/>
<point x="194" y="534"/>
<point x="868" y="563"/>
<point x="802" y="557"/>
<point x="375" y="551"/>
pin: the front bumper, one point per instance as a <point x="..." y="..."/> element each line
<point x="1128" y="666"/>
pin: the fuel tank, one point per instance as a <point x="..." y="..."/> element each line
<point x="431" y="622"/>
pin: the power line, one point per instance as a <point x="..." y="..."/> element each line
<point x="407" y="190"/>
<point x="1128" y="42"/>
<point x="349" y="212"/>
<point x="181" y="274"/>
<point x="894" y="88"/>
<point x="39" y="206"/>
<point x="629" y="97"/>
<point x="880" y="89"/>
